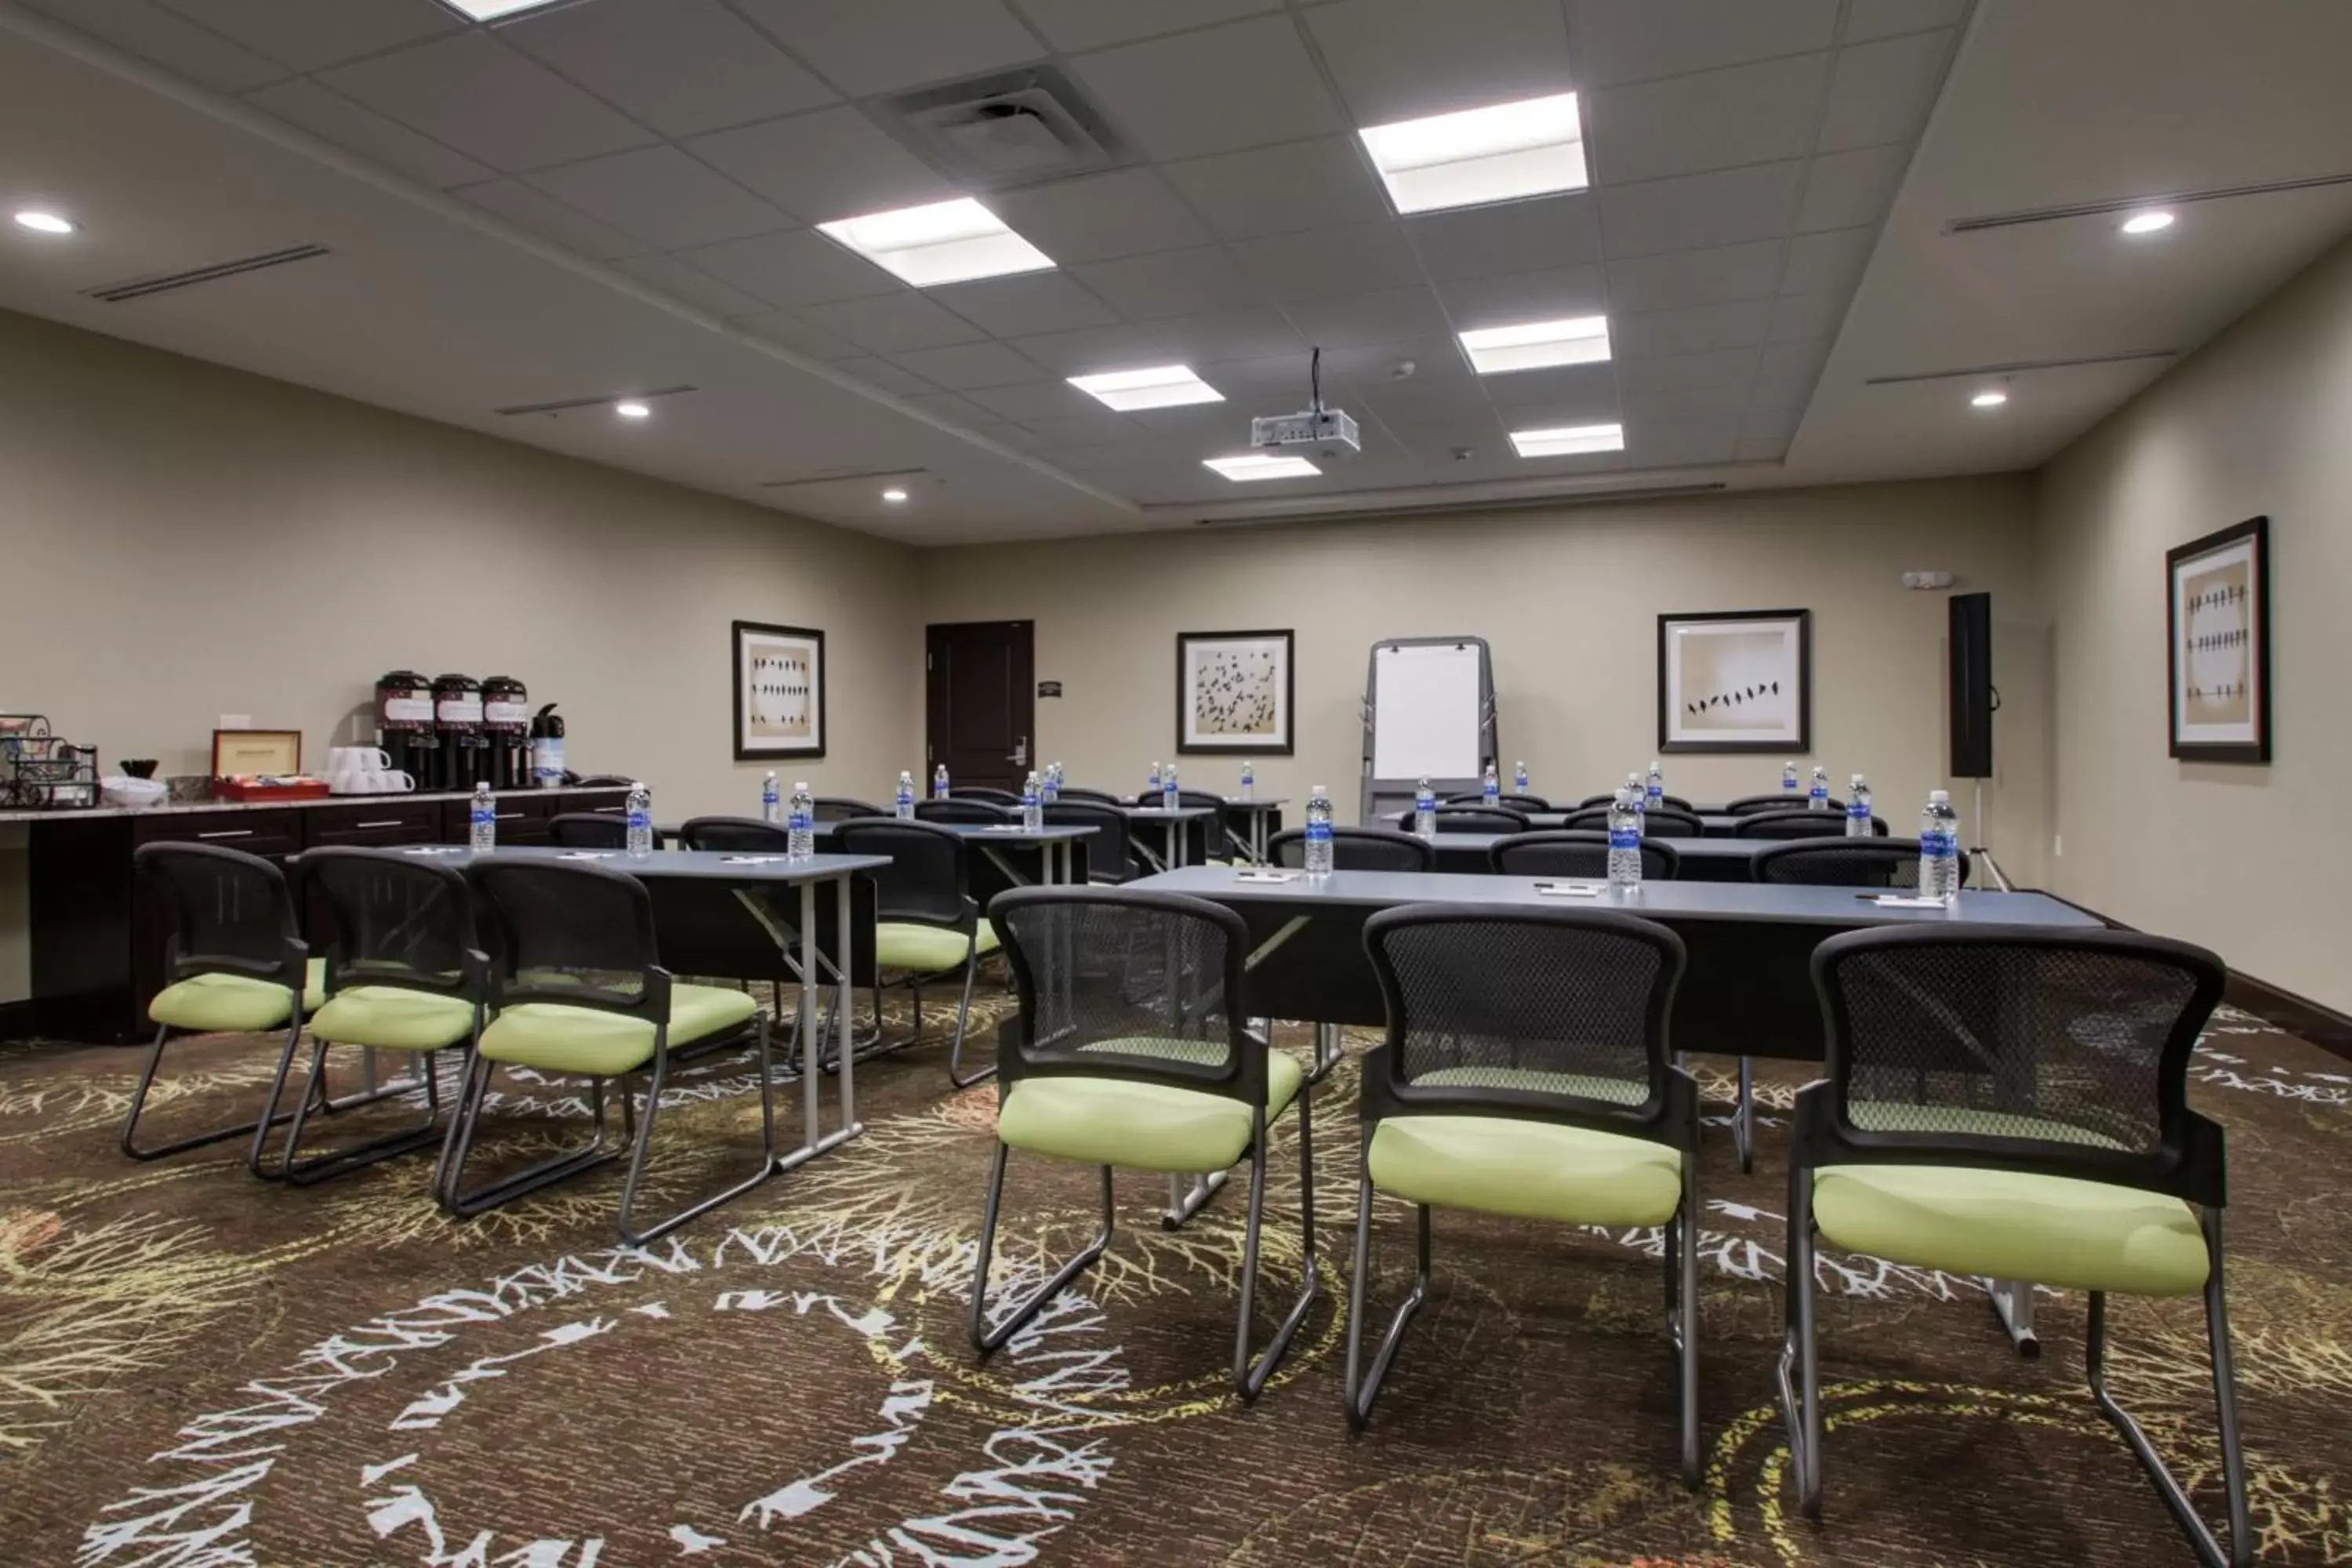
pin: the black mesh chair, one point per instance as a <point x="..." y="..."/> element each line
<point x="841" y="808"/>
<point x="1132" y="1049"/>
<point x="589" y="830"/>
<point x="1513" y="802"/>
<point x="1748" y="805"/>
<point x="1576" y="853"/>
<point x="988" y="793"/>
<point x="1474" y="819"/>
<point x="1658" y="822"/>
<point x="926" y="924"/>
<point x="965" y="810"/>
<point x="2012" y="1103"/>
<point x="713" y="915"/>
<point x="404" y="973"/>
<point x="1358" y="849"/>
<point x="1527" y="1072"/>
<point x="1204" y="838"/>
<point x="1845" y="863"/>
<point x="579" y="993"/>
<point x="1091" y="796"/>
<point x="1110" y="856"/>
<point x="1670" y="801"/>
<point x="1800" y="824"/>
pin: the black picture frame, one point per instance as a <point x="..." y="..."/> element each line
<point x="2178" y="561"/>
<point x="1670" y="696"/>
<point x="750" y="749"/>
<point x="1283" y="743"/>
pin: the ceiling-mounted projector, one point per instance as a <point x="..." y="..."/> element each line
<point x="1325" y="432"/>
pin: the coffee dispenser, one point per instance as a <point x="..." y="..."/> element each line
<point x="403" y="724"/>
<point x="505" y="731"/>
<point x="457" y="722"/>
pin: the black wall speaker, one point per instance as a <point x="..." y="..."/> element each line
<point x="1973" y="698"/>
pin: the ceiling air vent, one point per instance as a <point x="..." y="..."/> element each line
<point x="1009" y="128"/>
<point x="141" y="288"/>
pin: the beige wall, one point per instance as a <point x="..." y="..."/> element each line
<point x="2247" y="859"/>
<point x="1568" y="601"/>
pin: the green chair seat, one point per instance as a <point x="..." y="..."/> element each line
<point x="902" y="944"/>
<point x="1614" y="1090"/>
<point x="393" y="1018"/>
<point x="1533" y="1170"/>
<point x="587" y="1042"/>
<point x="2006" y="1224"/>
<point x="1140" y="1126"/>
<point x="233" y="1003"/>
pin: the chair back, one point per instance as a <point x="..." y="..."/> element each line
<point x="739" y="833"/>
<point x="398" y="919"/>
<point x="1670" y="801"/>
<point x="1110" y="856"/>
<point x="1117" y="983"/>
<point x="2016" y="1048"/>
<point x="1576" y="852"/>
<point x="231" y="913"/>
<point x="1092" y="796"/>
<point x="1779" y="800"/>
<point x="1657" y="821"/>
<point x="1203" y="838"/>
<point x="988" y="793"/>
<point x="588" y="830"/>
<point x="962" y="809"/>
<point x="1477" y="819"/>
<point x="1358" y="849"/>
<point x="841" y="808"/>
<point x="1553" y="1015"/>
<point x="1515" y="802"/>
<point x="576" y="934"/>
<point x="929" y="879"/>
<point x="1802" y="823"/>
<point x="1844" y="863"/>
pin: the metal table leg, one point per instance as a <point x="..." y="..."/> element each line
<point x="2013" y="1302"/>
<point x="814" y="1140"/>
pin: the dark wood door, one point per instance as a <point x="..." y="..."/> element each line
<point x="982" y="703"/>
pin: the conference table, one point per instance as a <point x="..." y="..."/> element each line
<point x="1717" y="825"/>
<point x="1699" y="859"/>
<point x="1173" y="822"/>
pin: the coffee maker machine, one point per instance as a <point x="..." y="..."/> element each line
<point x="457" y="724"/>
<point x="505" y="731"/>
<point x="403" y="724"/>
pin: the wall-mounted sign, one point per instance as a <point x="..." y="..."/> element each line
<point x="1049" y="689"/>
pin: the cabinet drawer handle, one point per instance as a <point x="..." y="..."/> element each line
<point x="389" y="822"/>
<point x="228" y="833"/>
<point x="509" y="816"/>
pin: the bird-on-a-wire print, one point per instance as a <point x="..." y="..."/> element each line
<point x="780" y="693"/>
<point x="1745" y="695"/>
<point x="1235" y="690"/>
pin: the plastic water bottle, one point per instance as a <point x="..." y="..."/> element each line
<point x="1626" y="841"/>
<point x="1939" y="848"/>
<point x="906" y="801"/>
<point x="1170" y="797"/>
<point x="1640" y="800"/>
<point x="1318" y="832"/>
<point x="1151" y="786"/>
<point x="939" y="782"/>
<point x="640" y="841"/>
<point x="1490" y="788"/>
<point x="1818" y="797"/>
<point x="1857" y="809"/>
<point x="1519" y="776"/>
<point x="1425" y="808"/>
<point x="800" y="827"/>
<point x="1653" y="792"/>
<point x="1249" y="779"/>
<point x="771" y="802"/>
<point x="1033" y="802"/>
<point x="1052" y="790"/>
<point x="482" y="821"/>
<point x="1789" y="777"/>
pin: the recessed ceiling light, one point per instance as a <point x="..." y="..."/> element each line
<point x="632" y="411"/>
<point x="1260" y="465"/>
<point x="45" y="223"/>
<point x="1163" y="386"/>
<point x="2148" y="223"/>
<point x="1498" y="154"/>
<point x="1531" y="345"/>
<point x="491" y="10"/>
<point x="1989" y="400"/>
<point x="1569" y="440"/>
<point x="894" y="496"/>
<point x="946" y="242"/>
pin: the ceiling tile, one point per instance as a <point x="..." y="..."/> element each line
<point x="880" y="46"/>
<point x="336" y="118"/>
<point x="1772" y="424"/>
<point x="1697" y="210"/>
<point x="892" y="323"/>
<point x="1759" y="451"/>
<point x="1800" y="316"/>
<point x="884" y="376"/>
<point x="802" y="267"/>
<point x="485" y="100"/>
<point x="1641" y="404"/>
<point x="1562" y="395"/>
<point x="1719" y="367"/>
<point x="957" y="410"/>
<point x="1202" y="426"/>
<point x="307" y="35"/>
<point x="1099" y="429"/>
<point x="1673" y="442"/>
<point x="662" y="196"/>
<point x="1829" y="261"/>
<point x="172" y="42"/>
<point x="679" y="66"/>
<point x="1616" y="42"/>
<point x="1097" y="216"/>
<point x="1792" y="361"/>
<point x="1033" y="302"/>
<point x="545" y="216"/>
<point x="1170" y="283"/>
<point x="1738" y="324"/>
<point x="1094" y="348"/>
<point x="788" y="331"/>
<point x="1033" y="401"/>
<point x="1678" y="280"/>
<point x="1267" y="383"/>
<point x="1848" y="189"/>
<point x="969" y="365"/>
<point x="1745" y="114"/>
<point x="1433" y="440"/>
<point x="1272" y="190"/>
<point x="691" y="286"/>
<point x="1390" y="316"/>
<point x="1882" y="92"/>
<point x="1884" y="19"/>
<point x="1071" y="26"/>
<point x="1217" y="91"/>
<point x="1511" y="236"/>
<point x="1402" y="59"/>
<point x="820" y="167"/>
<point x="1787" y="396"/>
<point x="1249" y="333"/>
<point x="1524" y="297"/>
<point x="1358" y="260"/>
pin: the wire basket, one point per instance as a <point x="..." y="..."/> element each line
<point x="41" y="770"/>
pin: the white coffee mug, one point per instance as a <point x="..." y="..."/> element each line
<point x="381" y="781"/>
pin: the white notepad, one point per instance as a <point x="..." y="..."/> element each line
<point x="1572" y="890"/>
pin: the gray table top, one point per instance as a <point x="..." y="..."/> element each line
<point x="707" y="865"/>
<point x="985" y="832"/>
<point x="1709" y="849"/>
<point x="1161" y="814"/>
<point x="1257" y="803"/>
<point x="1800" y="905"/>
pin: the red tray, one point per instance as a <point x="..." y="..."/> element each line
<point x="248" y="791"/>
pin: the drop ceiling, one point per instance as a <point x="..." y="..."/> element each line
<point x="619" y="197"/>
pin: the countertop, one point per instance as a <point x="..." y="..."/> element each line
<point x="181" y="807"/>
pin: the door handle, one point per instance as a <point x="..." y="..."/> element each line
<point x="1019" y="751"/>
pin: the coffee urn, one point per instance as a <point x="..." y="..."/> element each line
<point x="547" y="766"/>
<point x="457" y="721"/>
<point x="506" y="728"/>
<point x="403" y="724"/>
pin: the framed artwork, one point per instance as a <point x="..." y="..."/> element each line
<point x="2218" y="645"/>
<point x="1736" y="680"/>
<point x="1233" y="693"/>
<point x="779" y="675"/>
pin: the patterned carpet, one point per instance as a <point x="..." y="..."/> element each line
<point x="197" y="1369"/>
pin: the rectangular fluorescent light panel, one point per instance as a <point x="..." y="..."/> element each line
<point x="1531" y="148"/>
<point x="946" y="242"/>
<point x="491" y="10"/>
<point x="1163" y="386"/>
<point x="1532" y="346"/>
<point x="1259" y="465"/>
<point x="1569" y="440"/>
